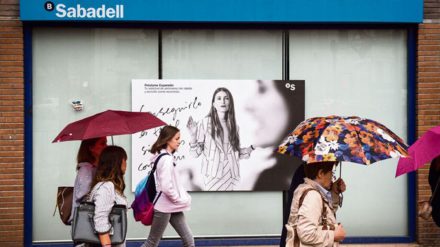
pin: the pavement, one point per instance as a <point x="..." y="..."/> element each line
<point x="348" y="245"/>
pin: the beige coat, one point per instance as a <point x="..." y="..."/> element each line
<point x="308" y="219"/>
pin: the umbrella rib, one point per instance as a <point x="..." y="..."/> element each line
<point x="358" y="138"/>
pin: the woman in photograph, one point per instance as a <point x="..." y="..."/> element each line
<point x="277" y="110"/>
<point x="172" y="199"/>
<point x="107" y="190"/>
<point x="217" y="140"/>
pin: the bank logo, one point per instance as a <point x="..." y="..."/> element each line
<point x="290" y="86"/>
<point x="79" y="12"/>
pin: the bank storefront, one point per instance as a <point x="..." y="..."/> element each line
<point x="352" y="58"/>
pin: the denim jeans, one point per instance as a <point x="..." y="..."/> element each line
<point x="160" y="222"/>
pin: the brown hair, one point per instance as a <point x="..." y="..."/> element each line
<point x="166" y="133"/>
<point x="109" y="167"/>
<point x="312" y="170"/>
<point x="85" y="153"/>
<point x="216" y="128"/>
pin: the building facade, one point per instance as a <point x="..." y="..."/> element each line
<point x="44" y="58"/>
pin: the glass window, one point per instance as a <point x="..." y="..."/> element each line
<point x="92" y="65"/>
<point x="227" y="54"/>
<point x="363" y="73"/>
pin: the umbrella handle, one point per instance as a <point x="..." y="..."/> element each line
<point x="341" y="196"/>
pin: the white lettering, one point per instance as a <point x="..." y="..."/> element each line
<point x="91" y="13"/>
<point x="111" y="12"/>
<point x="71" y="12"/>
<point x="61" y="12"/>
<point x="100" y="12"/>
<point x="116" y="11"/>
<point x="81" y="12"/>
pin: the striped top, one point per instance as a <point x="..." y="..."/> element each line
<point x="105" y="196"/>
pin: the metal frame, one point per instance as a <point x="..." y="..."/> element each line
<point x="411" y="110"/>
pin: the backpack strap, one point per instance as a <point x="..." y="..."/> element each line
<point x="434" y="193"/>
<point x="154" y="169"/>
<point x="323" y="215"/>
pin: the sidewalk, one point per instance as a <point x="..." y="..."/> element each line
<point x="348" y="245"/>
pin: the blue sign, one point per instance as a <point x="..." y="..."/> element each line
<point x="226" y="11"/>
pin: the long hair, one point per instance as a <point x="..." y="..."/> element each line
<point x="166" y="133"/>
<point x="109" y="167"/>
<point x="85" y="153"/>
<point x="216" y="128"/>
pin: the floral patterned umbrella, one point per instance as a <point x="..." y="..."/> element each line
<point x="336" y="138"/>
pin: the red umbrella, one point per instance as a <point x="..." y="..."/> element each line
<point x="108" y="123"/>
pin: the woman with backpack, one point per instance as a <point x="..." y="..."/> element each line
<point x="172" y="199"/>
<point x="312" y="220"/>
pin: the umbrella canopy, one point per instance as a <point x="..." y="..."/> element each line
<point x="336" y="138"/>
<point x="425" y="149"/>
<point x="108" y="123"/>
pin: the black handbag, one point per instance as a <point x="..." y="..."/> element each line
<point x="83" y="227"/>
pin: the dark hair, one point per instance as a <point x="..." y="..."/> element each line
<point x="85" y="153"/>
<point x="435" y="163"/>
<point x="312" y="170"/>
<point x="166" y="133"/>
<point x="216" y="128"/>
<point x="109" y="167"/>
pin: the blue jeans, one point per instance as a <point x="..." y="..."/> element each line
<point x="160" y="222"/>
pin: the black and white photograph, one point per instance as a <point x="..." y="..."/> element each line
<point x="229" y="129"/>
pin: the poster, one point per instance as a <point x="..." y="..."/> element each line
<point x="229" y="131"/>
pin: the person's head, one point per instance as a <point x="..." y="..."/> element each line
<point x="321" y="172"/>
<point x="222" y="109"/>
<point x="169" y="138"/>
<point x="435" y="163"/>
<point x="276" y="110"/>
<point x="90" y="149"/>
<point x="111" y="167"/>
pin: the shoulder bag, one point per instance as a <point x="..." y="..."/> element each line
<point x="64" y="203"/>
<point x="83" y="227"/>
<point x="292" y="239"/>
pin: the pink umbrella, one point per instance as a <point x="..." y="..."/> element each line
<point x="109" y="123"/>
<point x="425" y="149"/>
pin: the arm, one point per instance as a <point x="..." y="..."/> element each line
<point x="104" y="199"/>
<point x="308" y="228"/>
<point x="164" y="174"/>
<point x="338" y="187"/>
<point x="84" y="181"/>
<point x="197" y="137"/>
<point x="245" y="153"/>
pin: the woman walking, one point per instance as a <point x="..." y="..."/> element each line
<point x="172" y="199"/>
<point x="312" y="220"/>
<point x="108" y="190"/>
